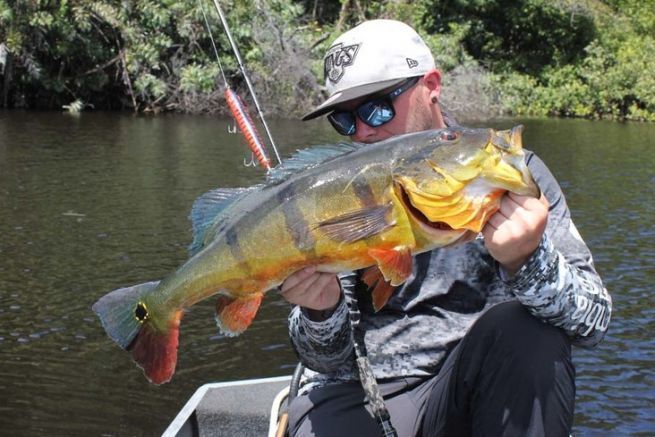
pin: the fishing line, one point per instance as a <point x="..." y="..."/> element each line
<point x="237" y="54"/>
<point x="211" y="38"/>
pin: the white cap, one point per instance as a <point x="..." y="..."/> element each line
<point x="373" y="56"/>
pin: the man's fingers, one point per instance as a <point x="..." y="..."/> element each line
<point x="501" y="226"/>
<point x="323" y="281"/>
<point x="298" y="290"/>
<point x="297" y="278"/>
<point x="311" y="289"/>
<point x="518" y="210"/>
<point x="315" y="282"/>
<point x="496" y="220"/>
<point x="511" y="217"/>
<point x="527" y="202"/>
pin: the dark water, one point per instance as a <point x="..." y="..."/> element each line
<point x="93" y="203"/>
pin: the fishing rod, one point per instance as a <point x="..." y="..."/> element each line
<point x="235" y="104"/>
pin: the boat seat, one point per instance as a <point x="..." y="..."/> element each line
<point x="237" y="411"/>
<point x="230" y="409"/>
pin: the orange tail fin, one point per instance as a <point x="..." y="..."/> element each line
<point x="156" y="352"/>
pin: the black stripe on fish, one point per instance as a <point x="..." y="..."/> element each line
<point x="295" y="220"/>
<point x="232" y="241"/>
<point x="363" y="191"/>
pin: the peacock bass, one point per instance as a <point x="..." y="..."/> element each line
<point x="339" y="208"/>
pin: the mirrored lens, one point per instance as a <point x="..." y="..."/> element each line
<point x="377" y="112"/>
<point x="343" y="122"/>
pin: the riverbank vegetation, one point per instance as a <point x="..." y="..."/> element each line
<point x="584" y="58"/>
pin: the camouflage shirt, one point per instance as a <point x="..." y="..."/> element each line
<point x="448" y="290"/>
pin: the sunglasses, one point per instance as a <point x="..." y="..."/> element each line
<point x="374" y="112"/>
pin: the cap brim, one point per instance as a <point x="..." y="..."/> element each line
<point x="350" y="94"/>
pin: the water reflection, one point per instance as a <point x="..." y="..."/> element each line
<point x="92" y="203"/>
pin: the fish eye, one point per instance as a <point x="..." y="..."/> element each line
<point x="141" y="312"/>
<point x="448" y="136"/>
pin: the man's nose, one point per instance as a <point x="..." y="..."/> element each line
<point x="363" y="132"/>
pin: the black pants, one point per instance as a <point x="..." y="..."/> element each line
<point x="511" y="375"/>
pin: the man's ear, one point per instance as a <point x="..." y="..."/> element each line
<point x="432" y="80"/>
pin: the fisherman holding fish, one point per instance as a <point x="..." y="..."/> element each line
<point x="477" y="340"/>
<point x="435" y="331"/>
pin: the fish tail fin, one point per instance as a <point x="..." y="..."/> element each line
<point x="156" y="351"/>
<point x="127" y="321"/>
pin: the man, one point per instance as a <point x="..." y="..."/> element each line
<point x="477" y="341"/>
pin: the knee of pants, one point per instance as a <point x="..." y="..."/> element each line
<point x="509" y="328"/>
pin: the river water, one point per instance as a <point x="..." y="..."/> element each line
<point x="92" y="203"/>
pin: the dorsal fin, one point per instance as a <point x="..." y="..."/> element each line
<point x="207" y="208"/>
<point x="307" y="158"/>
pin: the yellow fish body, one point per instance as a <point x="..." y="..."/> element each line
<point x="338" y="208"/>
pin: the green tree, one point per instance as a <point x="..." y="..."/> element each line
<point x="543" y="57"/>
<point x="513" y="35"/>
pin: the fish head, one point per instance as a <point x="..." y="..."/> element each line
<point x="456" y="178"/>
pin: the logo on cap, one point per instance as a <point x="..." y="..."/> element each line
<point x="411" y="62"/>
<point x="337" y="59"/>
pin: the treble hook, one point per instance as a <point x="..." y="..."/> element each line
<point x="233" y="129"/>
<point x="252" y="162"/>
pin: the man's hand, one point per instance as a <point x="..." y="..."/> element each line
<point x="316" y="291"/>
<point x="513" y="233"/>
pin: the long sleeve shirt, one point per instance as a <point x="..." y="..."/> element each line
<point x="448" y="291"/>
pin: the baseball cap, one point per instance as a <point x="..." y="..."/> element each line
<point x="370" y="57"/>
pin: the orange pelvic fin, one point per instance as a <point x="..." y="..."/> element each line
<point x="381" y="290"/>
<point x="156" y="352"/>
<point x="395" y="264"/>
<point x="233" y="316"/>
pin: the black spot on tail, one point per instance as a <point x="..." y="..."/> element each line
<point x="141" y="312"/>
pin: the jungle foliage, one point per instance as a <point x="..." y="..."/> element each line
<point x="584" y="58"/>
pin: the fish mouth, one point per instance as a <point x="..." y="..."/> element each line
<point x="418" y="216"/>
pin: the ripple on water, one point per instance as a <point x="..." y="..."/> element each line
<point x="40" y="334"/>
